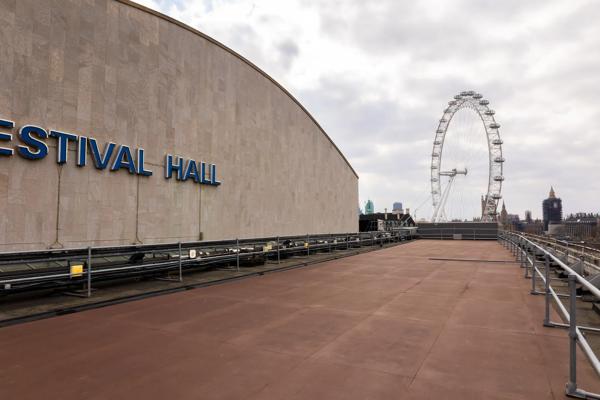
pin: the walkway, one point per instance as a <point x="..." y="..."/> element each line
<point x="390" y="324"/>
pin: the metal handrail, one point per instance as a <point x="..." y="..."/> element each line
<point x="572" y="250"/>
<point x="519" y="243"/>
<point x="564" y="266"/>
<point x="565" y="243"/>
<point x="226" y="251"/>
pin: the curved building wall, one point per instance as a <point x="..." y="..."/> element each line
<point x="120" y="73"/>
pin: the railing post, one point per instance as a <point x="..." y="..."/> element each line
<point x="533" y="291"/>
<point x="89" y="272"/>
<point x="572" y="384"/>
<point x="278" y="259"/>
<point x="522" y="250"/>
<point x="180" y="273"/>
<point x="237" y="254"/>
<point x="547" y="291"/>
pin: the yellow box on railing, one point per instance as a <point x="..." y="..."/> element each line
<point x="76" y="270"/>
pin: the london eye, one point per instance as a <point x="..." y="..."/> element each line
<point x="466" y="161"/>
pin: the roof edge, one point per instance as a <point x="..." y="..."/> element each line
<point x="242" y="58"/>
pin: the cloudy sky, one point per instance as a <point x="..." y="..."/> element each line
<point x="377" y="75"/>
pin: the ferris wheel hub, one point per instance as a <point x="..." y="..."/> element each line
<point x="454" y="172"/>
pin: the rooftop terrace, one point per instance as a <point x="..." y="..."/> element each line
<point x="390" y="324"/>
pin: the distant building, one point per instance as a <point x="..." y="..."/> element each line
<point x="509" y="222"/>
<point x="552" y="210"/>
<point x="513" y="219"/>
<point x="397" y="208"/>
<point x="504" y="216"/>
<point x="582" y="226"/>
<point x="528" y="218"/>
<point x="369" y="207"/>
<point x="530" y="226"/>
<point x="534" y="227"/>
<point x="384" y="222"/>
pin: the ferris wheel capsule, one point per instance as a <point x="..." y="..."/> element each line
<point x="494" y="125"/>
<point x="497" y="141"/>
<point x="499" y="159"/>
<point x="452" y="102"/>
<point x="477" y="96"/>
<point x="484" y="102"/>
<point x="490" y="112"/>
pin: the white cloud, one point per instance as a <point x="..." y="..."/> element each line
<point x="377" y="76"/>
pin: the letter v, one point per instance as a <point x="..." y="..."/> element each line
<point x="101" y="160"/>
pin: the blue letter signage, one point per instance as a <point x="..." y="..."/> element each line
<point x="34" y="147"/>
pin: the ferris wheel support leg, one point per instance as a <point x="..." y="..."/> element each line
<point x="441" y="211"/>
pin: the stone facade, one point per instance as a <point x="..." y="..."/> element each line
<point x="118" y="72"/>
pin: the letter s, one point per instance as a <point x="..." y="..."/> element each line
<point x="28" y="134"/>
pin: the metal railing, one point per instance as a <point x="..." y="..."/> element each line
<point x="530" y="254"/>
<point x="590" y="255"/>
<point x="457" y="233"/>
<point x="49" y="269"/>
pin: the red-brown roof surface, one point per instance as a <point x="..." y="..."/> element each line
<point x="390" y="324"/>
